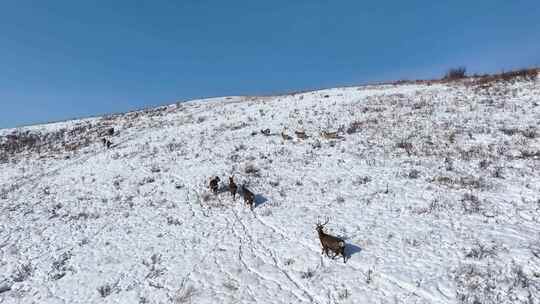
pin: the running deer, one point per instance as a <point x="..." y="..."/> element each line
<point x="330" y="242"/>
<point x="214" y="184"/>
<point x="233" y="188"/>
<point x="249" y="197"/>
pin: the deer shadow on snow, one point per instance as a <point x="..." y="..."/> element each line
<point x="259" y="200"/>
<point x="350" y="250"/>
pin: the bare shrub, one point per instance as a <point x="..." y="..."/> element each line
<point x="59" y="267"/>
<point x="107" y="289"/>
<point x="308" y="274"/>
<point x="251" y="169"/>
<point x="23" y="272"/>
<point x="184" y="295"/>
<point x="494" y="284"/>
<point x="369" y="276"/>
<point x="147" y="180"/>
<point x="230" y="285"/>
<point x="498" y="172"/>
<point x="530" y="154"/>
<point x="173" y="221"/>
<point x="524" y="74"/>
<point x="480" y="251"/>
<point x="153" y="265"/>
<point x="361" y="180"/>
<point x="344" y="294"/>
<point x="455" y="73"/>
<point x="406" y="145"/>
<point x="471" y="203"/>
<point x="530" y="132"/>
<point x="414" y="174"/>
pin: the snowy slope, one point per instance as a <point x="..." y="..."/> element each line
<point x="435" y="187"/>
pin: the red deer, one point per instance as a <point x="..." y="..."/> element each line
<point x="214" y="184"/>
<point x="301" y="134"/>
<point x="330" y="242"/>
<point x="233" y="188"/>
<point x="249" y="197"/>
<point x="285" y="136"/>
<point x="329" y="135"/>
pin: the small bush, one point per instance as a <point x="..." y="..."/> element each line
<point x="251" y="169"/>
<point x="480" y="251"/>
<point x="455" y="73"/>
<point x="354" y="127"/>
<point x="414" y="174"/>
<point x="308" y="274"/>
<point x="470" y="203"/>
<point x="525" y="74"/>
<point x="184" y="295"/>
<point x="407" y="146"/>
<point x="23" y="272"/>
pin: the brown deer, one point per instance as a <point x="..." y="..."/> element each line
<point x="285" y="136"/>
<point x="233" y="188"/>
<point x="249" y="197"/>
<point x="329" y="135"/>
<point x="214" y="184"/>
<point x="330" y="242"/>
<point x="301" y="134"/>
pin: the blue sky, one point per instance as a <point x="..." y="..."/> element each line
<point x="64" y="59"/>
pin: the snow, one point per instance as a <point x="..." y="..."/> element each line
<point x="432" y="192"/>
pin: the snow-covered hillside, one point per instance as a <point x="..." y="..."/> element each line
<point x="435" y="187"/>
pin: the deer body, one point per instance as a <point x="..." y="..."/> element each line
<point x="233" y="188"/>
<point x="301" y="134"/>
<point x="214" y="184"/>
<point x="249" y="197"/>
<point x="331" y="243"/>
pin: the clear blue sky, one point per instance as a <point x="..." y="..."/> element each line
<point x="63" y="59"/>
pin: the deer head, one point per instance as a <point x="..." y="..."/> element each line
<point x="320" y="227"/>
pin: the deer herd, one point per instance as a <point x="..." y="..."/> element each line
<point x="329" y="243"/>
<point x="249" y="197"/>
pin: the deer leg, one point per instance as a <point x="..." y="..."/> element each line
<point x="326" y="250"/>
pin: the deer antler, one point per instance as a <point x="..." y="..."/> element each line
<point x="319" y="221"/>
<point x="326" y="222"/>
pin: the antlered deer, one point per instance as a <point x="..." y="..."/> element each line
<point x="214" y="184"/>
<point x="330" y="242"/>
<point x="233" y="188"/>
<point x="249" y="197"/>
